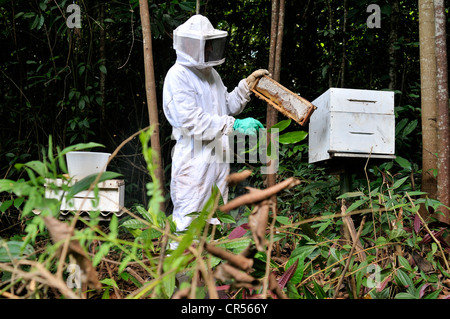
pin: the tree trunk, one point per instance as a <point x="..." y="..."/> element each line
<point x="331" y="44"/>
<point x="344" y="44"/>
<point x="102" y="74"/>
<point x="443" y="146"/>
<point x="276" y="41"/>
<point x="150" y="88"/>
<point x="428" y="97"/>
<point x="393" y="37"/>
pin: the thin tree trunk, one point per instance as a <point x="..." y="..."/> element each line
<point x="102" y="74"/>
<point x="271" y="117"/>
<point x="150" y="88"/>
<point x="428" y="97"/>
<point x="279" y="44"/>
<point x="331" y="44"/>
<point x="393" y="37"/>
<point x="443" y="186"/>
<point x="276" y="43"/>
<point x="276" y="40"/>
<point x="344" y="44"/>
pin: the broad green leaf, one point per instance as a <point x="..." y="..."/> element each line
<point x="237" y="245"/>
<point x="404" y="295"/>
<point x="350" y="195"/>
<point x="7" y="185"/>
<point x="282" y="125"/>
<point x="403" y="279"/>
<point x="38" y="167"/>
<point x="103" y="251"/>
<point x="169" y="284"/>
<point x="403" y="262"/>
<point x="320" y="293"/>
<point x="86" y="182"/>
<point x="187" y="5"/>
<point x="225" y="218"/>
<point x="292" y="137"/>
<point x="403" y="162"/>
<point x="103" y="69"/>
<point x="141" y="210"/>
<point x="399" y="183"/>
<point x="109" y="282"/>
<point x="355" y="205"/>
<point x="300" y="254"/>
<point x="79" y="147"/>
<point x="14" y="250"/>
<point x="133" y="224"/>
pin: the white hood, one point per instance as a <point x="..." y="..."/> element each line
<point x="198" y="44"/>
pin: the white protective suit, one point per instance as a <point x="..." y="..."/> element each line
<point x="200" y="109"/>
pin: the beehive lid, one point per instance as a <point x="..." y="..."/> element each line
<point x="285" y="101"/>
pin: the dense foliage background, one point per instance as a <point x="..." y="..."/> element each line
<point x="87" y="84"/>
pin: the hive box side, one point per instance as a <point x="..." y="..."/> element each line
<point x="319" y="133"/>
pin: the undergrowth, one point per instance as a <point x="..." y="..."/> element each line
<point x="314" y="244"/>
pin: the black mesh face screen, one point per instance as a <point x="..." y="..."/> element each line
<point x="215" y="49"/>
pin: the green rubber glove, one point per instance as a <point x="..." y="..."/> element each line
<point x="247" y="126"/>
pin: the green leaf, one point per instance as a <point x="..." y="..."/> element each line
<point x="283" y="220"/>
<point x="292" y="137"/>
<point x="282" y="125"/>
<point x="404" y="295"/>
<point x="86" y="182"/>
<point x="225" y="218"/>
<point x="300" y="254"/>
<point x="410" y="127"/>
<point x="320" y="293"/>
<point x="81" y="70"/>
<point x="355" y="205"/>
<point x="403" y="279"/>
<point x="351" y="194"/>
<point x="14" y="250"/>
<point x="103" y="251"/>
<point x="7" y="185"/>
<point x="399" y="183"/>
<point x="109" y="282"/>
<point x="187" y="5"/>
<point x="79" y="147"/>
<point x="5" y="205"/>
<point x="403" y="262"/>
<point x="237" y="245"/>
<point x="103" y="69"/>
<point x="38" y="167"/>
<point x="404" y="163"/>
<point x="113" y="227"/>
<point x="133" y="224"/>
<point x="169" y="284"/>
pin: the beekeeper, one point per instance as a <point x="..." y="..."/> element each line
<point x="201" y="111"/>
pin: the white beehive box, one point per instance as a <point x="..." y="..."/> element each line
<point x="352" y="123"/>
<point x="110" y="198"/>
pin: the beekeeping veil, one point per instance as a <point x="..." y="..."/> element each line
<point x="198" y="44"/>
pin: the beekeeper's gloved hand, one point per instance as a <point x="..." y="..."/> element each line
<point x="255" y="76"/>
<point x="247" y="126"/>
